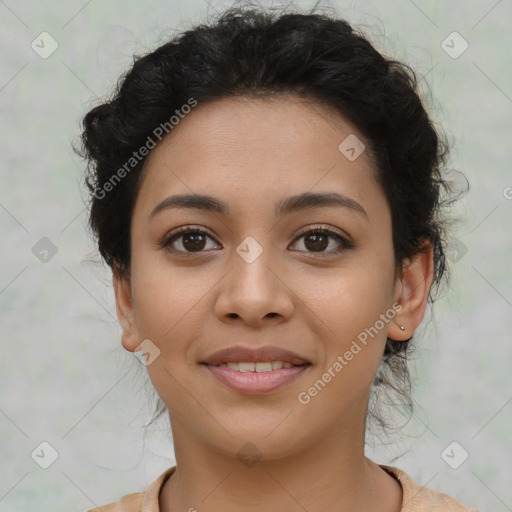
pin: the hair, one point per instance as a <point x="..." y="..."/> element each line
<point x="255" y="54"/>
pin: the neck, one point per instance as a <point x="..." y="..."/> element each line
<point x="331" y="474"/>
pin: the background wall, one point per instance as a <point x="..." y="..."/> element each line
<point x="65" y="379"/>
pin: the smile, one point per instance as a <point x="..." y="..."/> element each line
<point x="265" y="366"/>
<point x="255" y="378"/>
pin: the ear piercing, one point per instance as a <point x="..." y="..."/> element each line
<point x="402" y="328"/>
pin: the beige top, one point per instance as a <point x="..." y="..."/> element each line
<point x="415" y="497"/>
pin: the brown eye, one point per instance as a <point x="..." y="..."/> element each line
<point x="193" y="241"/>
<point x="317" y="240"/>
<point x="187" y="240"/>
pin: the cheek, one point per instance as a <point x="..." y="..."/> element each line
<point x="350" y="299"/>
<point x="351" y="305"/>
<point x="169" y="306"/>
<point x="172" y="305"/>
<point x="166" y="299"/>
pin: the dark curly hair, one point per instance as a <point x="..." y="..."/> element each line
<point x="256" y="53"/>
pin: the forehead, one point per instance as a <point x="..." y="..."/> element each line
<point x="257" y="148"/>
<point x="284" y="122"/>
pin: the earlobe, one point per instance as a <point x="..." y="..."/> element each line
<point x="411" y="293"/>
<point x="125" y="312"/>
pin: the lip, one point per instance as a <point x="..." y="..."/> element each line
<point x="253" y="383"/>
<point x="240" y="353"/>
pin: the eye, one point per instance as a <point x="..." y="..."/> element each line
<point x="187" y="240"/>
<point x="316" y="240"/>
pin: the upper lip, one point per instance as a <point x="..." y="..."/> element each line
<point x="245" y="354"/>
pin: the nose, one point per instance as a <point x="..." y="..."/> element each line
<point x="255" y="293"/>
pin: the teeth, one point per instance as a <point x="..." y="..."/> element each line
<point x="266" y="366"/>
<point x="245" y="367"/>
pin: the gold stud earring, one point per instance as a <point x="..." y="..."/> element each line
<point x="402" y="328"/>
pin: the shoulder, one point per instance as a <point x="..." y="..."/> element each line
<point x="138" y="501"/>
<point x="417" y="498"/>
<point x="129" y="503"/>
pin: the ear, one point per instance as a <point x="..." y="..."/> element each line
<point x="412" y="289"/>
<point x="125" y="312"/>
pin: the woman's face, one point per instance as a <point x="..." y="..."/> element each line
<point x="255" y="281"/>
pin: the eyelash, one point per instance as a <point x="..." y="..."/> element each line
<point x="344" y="243"/>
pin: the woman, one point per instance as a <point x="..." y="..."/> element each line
<point x="267" y="192"/>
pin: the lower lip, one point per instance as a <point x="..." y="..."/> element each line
<point x="256" y="382"/>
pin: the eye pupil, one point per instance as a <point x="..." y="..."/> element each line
<point x="320" y="241"/>
<point x="315" y="241"/>
<point x="193" y="241"/>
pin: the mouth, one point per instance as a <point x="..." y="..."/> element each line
<point x="245" y="355"/>
<point x="259" y="367"/>
<point x="251" y="382"/>
<point x="254" y="371"/>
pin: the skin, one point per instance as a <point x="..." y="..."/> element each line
<point x="251" y="154"/>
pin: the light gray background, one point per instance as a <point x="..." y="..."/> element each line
<point x="64" y="377"/>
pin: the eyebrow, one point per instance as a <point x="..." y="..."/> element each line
<point x="284" y="207"/>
